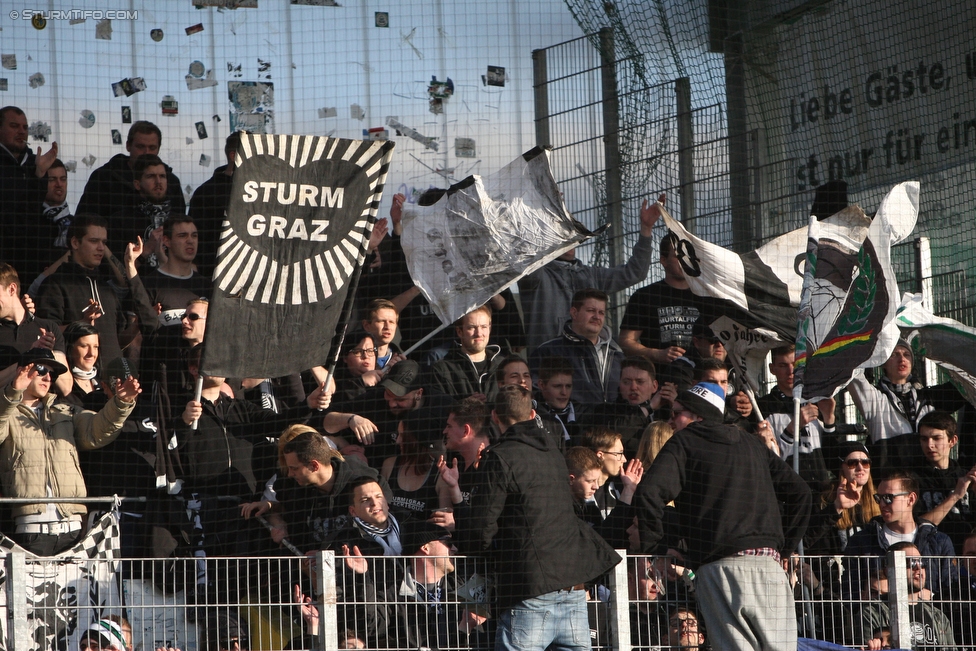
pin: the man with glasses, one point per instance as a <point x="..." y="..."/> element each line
<point x="738" y="508"/>
<point x="684" y="630"/>
<point x="39" y="441"/>
<point x="896" y="496"/>
<point x="929" y="625"/>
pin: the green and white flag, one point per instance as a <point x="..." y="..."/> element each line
<point x="947" y="342"/>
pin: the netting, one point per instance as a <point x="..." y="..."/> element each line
<point x="737" y="116"/>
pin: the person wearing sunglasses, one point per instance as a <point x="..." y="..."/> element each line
<point x="39" y="441"/>
<point x="896" y="497"/>
<point x="846" y="506"/>
<point x="929" y="625"/>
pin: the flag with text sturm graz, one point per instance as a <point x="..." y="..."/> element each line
<point x="294" y="240"/>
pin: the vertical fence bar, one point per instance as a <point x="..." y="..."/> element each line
<point x="924" y="286"/>
<point x="540" y="85"/>
<point x="901" y="626"/>
<point x="18" y="633"/>
<point x="327" y="598"/>
<point x="620" y="605"/>
<point x="611" y="146"/>
<point x="686" y="151"/>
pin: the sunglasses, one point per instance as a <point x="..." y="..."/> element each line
<point x="888" y="498"/>
<point x="854" y="463"/>
<point x="193" y="316"/>
<point x="44" y="370"/>
<point x="914" y="563"/>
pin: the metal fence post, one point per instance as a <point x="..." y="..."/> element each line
<point x="619" y="605"/>
<point x="18" y="633"/>
<point x="901" y="629"/>
<point x="686" y="152"/>
<point x="328" y="597"/>
<point x="540" y="85"/>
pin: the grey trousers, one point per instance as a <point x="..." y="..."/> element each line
<point x="747" y="604"/>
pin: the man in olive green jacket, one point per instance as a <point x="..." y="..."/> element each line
<point x="39" y="441"/>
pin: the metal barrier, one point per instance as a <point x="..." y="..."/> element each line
<point x="329" y="602"/>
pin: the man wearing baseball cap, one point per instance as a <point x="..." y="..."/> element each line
<point x="372" y="417"/>
<point x="727" y="488"/>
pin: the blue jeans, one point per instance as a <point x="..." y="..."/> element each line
<point x="556" y="618"/>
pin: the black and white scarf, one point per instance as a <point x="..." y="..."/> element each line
<point x="388" y="537"/>
<point x="61" y="217"/>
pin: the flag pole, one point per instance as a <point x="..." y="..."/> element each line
<point x="197" y="394"/>
<point x="426" y="338"/>
<point x="347" y="307"/>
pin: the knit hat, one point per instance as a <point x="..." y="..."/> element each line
<point x="108" y="633"/>
<point x="706" y="400"/>
<point x="904" y="343"/>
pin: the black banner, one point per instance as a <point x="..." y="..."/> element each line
<point x="294" y="240"/>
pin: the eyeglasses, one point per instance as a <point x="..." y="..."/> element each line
<point x="888" y="498"/>
<point x="193" y="316"/>
<point x="685" y="622"/>
<point x="854" y="463"/>
<point x="363" y="353"/>
<point x="619" y="455"/>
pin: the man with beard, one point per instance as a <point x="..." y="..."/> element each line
<point x="143" y="213"/>
<point x="930" y="627"/>
<point x="110" y="188"/>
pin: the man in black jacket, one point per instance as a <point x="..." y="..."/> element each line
<point x="23" y="186"/>
<point x="522" y="510"/>
<point x="727" y="490"/>
<point x="110" y="188"/>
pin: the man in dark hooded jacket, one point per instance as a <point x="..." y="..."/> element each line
<point x="522" y="510"/>
<point x="727" y="488"/>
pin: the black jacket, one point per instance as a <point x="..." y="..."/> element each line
<point x="207" y="207"/>
<point x="588" y="387"/>
<point x="65" y="295"/>
<point x="727" y="489"/>
<point x="109" y="190"/>
<point x="457" y="376"/>
<point x="522" y="513"/>
<point x="315" y="519"/>
<point x="24" y="244"/>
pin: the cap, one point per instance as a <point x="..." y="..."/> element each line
<point x="904" y="344"/>
<point x="703" y="330"/>
<point x="403" y="378"/>
<point x="119" y="368"/>
<point x="417" y="533"/>
<point x="42" y="356"/>
<point x="706" y="400"/>
<point x="848" y="447"/>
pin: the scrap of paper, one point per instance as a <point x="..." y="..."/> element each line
<point x="103" y="30"/>
<point x="328" y="112"/>
<point x="427" y="142"/>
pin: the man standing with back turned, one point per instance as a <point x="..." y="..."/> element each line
<point x="522" y="510"/>
<point x="727" y="488"/>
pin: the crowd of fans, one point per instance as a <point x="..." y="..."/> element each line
<point x="542" y="443"/>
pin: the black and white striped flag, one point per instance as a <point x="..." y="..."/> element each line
<point x="294" y="240"/>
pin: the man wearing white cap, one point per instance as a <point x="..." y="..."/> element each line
<point x="727" y="488"/>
